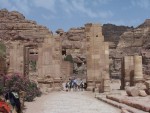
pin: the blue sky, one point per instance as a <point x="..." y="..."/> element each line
<point x="75" y="13"/>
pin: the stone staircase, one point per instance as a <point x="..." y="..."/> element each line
<point x="124" y="106"/>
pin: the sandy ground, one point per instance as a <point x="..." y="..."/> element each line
<point x="69" y="102"/>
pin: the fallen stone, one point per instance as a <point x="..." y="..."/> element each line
<point x="132" y="91"/>
<point x="140" y="86"/>
<point x="142" y="93"/>
<point x="147" y="83"/>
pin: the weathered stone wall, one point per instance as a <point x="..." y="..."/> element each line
<point x="66" y="70"/>
<point x="45" y="66"/>
<point x="56" y="56"/>
<point x="16" y="32"/>
<point x="16" y="58"/>
<point x="74" y="44"/>
<point x="131" y="71"/>
<point x="50" y="58"/>
<point x="97" y="57"/>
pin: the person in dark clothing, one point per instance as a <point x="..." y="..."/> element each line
<point x="13" y="97"/>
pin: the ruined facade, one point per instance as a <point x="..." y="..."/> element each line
<point x="36" y="53"/>
<point x="97" y="57"/>
<point x="16" y="55"/>
<point x="132" y="72"/>
<point x="66" y="70"/>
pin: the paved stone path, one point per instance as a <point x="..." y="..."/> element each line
<point x="69" y="102"/>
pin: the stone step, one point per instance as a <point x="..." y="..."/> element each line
<point x="120" y="105"/>
<point x="136" y="105"/>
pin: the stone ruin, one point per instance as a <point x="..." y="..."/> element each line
<point x="133" y="80"/>
<point x="97" y="58"/>
<point x="37" y="53"/>
<point x="131" y="71"/>
<point x="34" y="52"/>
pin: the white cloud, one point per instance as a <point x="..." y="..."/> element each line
<point x="79" y="6"/>
<point x="141" y="3"/>
<point x="46" y="4"/>
<point x="17" y="5"/>
<point x="22" y="5"/>
<point x="5" y="4"/>
<point x="70" y="7"/>
<point x="105" y="14"/>
<point x="100" y="2"/>
<point x="47" y="17"/>
<point x="66" y="6"/>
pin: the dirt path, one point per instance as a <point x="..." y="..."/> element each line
<point x="69" y="102"/>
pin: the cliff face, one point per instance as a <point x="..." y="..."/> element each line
<point x="74" y="44"/>
<point x="112" y="33"/>
<point x="136" y="41"/>
<point x="13" y="26"/>
<point x="145" y="24"/>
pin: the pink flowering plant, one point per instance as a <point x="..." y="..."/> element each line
<point x="23" y="84"/>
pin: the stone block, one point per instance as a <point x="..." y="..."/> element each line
<point x="142" y="93"/>
<point x="140" y="86"/>
<point x="132" y="91"/>
<point x="147" y="83"/>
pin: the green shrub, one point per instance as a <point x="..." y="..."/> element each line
<point x="69" y="58"/>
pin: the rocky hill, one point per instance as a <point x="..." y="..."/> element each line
<point x="74" y="44"/>
<point x="13" y="25"/>
<point x="112" y="33"/>
<point x="136" y="41"/>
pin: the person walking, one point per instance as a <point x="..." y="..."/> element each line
<point x="13" y="97"/>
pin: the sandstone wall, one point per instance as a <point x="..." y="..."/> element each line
<point x="74" y="44"/>
<point x="97" y="57"/>
<point x="17" y="33"/>
<point x="66" y="70"/>
<point x="136" y="41"/>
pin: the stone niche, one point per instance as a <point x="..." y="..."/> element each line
<point x="97" y="58"/>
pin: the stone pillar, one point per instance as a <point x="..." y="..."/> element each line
<point x="127" y="72"/>
<point x="94" y="38"/>
<point x="138" y="73"/>
<point x="16" y="58"/>
<point x="66" y="69"/>
<point x="45" y="58"/>
<point x="106" y="69"/>
<point x="129" y="67"/>
<point x="97" y="57"/>
<point x="106" y="82"/>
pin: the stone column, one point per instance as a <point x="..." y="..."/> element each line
<point x="127" y="71"/>
<point x="138" y="73"/>
<point x="129" y="66"/>
<point x="16" y="56"/>
<point x="106" y="69"/>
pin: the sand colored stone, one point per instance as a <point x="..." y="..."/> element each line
<point x="16" y="55"/>
<point x="138" y="73"/>
<point x="97" y="55"/>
